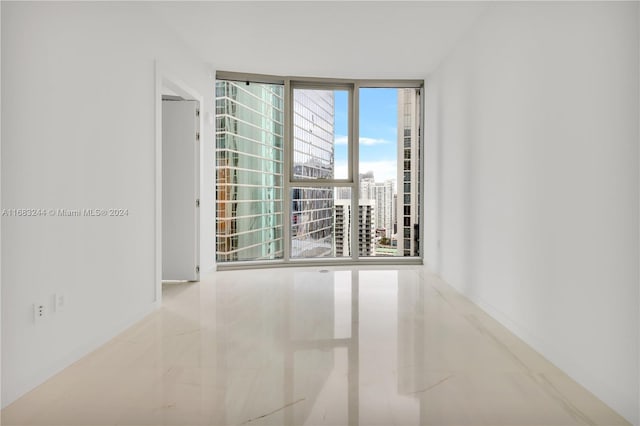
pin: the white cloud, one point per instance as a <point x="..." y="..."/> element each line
<point x="372" y="141"/>
<point x="342" y="140"/>
<point x="382" y="170"/>
<point x="341" y="171"/>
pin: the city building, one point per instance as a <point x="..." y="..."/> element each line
<point x="408" y="195"/>
<point x="366" y="230"/>
<point x="313" y="158"/>
<point x="343" y="193"/>
<point x="249" y="138"/>
<point x="394" y="212"/>
<point x="382" y="193"/>
<point x="379" y="195"/>
<point x="367" y="180"/>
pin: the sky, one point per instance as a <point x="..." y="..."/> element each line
<point x="378" y="132"/>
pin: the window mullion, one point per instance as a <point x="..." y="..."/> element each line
<point x="287" y="171"/>
<point x="354" y="169"/>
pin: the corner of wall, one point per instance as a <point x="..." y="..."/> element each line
<point x="638" y="27"/>
<point x="509" y="237"/>
<point x="1" y="206"/>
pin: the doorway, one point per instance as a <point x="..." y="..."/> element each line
<point x="178" y="178"/>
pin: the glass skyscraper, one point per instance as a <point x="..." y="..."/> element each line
<point x="408" y="200"/>
<point x="250" y="222"/>
<point x="249" y="172"/>
<point x="312" y="209"/>
<point x="249" y="156"/>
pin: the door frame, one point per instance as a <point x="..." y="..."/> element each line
<point x="166" y="79"/>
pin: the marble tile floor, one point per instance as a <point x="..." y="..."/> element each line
<point x="296" y="346"/>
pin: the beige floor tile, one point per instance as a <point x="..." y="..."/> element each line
<point x="389" y="346"/>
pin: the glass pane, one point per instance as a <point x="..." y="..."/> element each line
<point x="366" y="229"/>
<point x="320" y="129"/>
<point x="409" y="119"/>
<point x="249" y="140"/>
<point x="320" y="222"/>
<point x="389" y="155"/>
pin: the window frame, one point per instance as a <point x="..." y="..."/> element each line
<point x="353" y="87"/>
<point x="297" y="84"/>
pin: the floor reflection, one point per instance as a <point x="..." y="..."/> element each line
<point x="300" y="347"/>
<point x="314" y="348"/>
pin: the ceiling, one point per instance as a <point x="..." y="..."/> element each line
<point x="323" y="39"/>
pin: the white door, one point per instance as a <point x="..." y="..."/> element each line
<point x="180" y="190"/>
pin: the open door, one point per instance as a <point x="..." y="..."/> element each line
<point x="180" y="189"/>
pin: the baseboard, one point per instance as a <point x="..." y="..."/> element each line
<point x="622" y="404"/>
<point x="78" y="353"/>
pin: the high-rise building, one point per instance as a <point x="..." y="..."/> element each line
<point x="249" y="172"/>
<point x="366" y="230"/>
<point x="312" y="210"/>
<point x="408" y="201"/>
<point x="379" y="195"/>
<point x="382" y="194"/>
<point x="249" y="143"/>
<point x="366" y="183"/>
<point x="342" y="222"/>
<point x="343" y="193"/>
<point x="366" y="186"/>
<point x="394" y="212"/>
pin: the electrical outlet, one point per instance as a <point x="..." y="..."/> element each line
<point x="39" y="312"/>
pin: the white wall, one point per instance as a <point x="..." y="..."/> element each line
<point x="351" y="39"/>
<point x="0" y="216"/>
<point x="78" y="90"/>
<point x="532" y="190"/>
<point x="533" y="183"/>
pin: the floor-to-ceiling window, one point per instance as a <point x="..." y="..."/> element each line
<point x="249" y="164"/>
<point x="389" y="168"/>
<point x="291" y="183"/>
<point x="314" y="112"/>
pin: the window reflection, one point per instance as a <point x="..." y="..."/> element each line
<point x="325" y="346"/>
